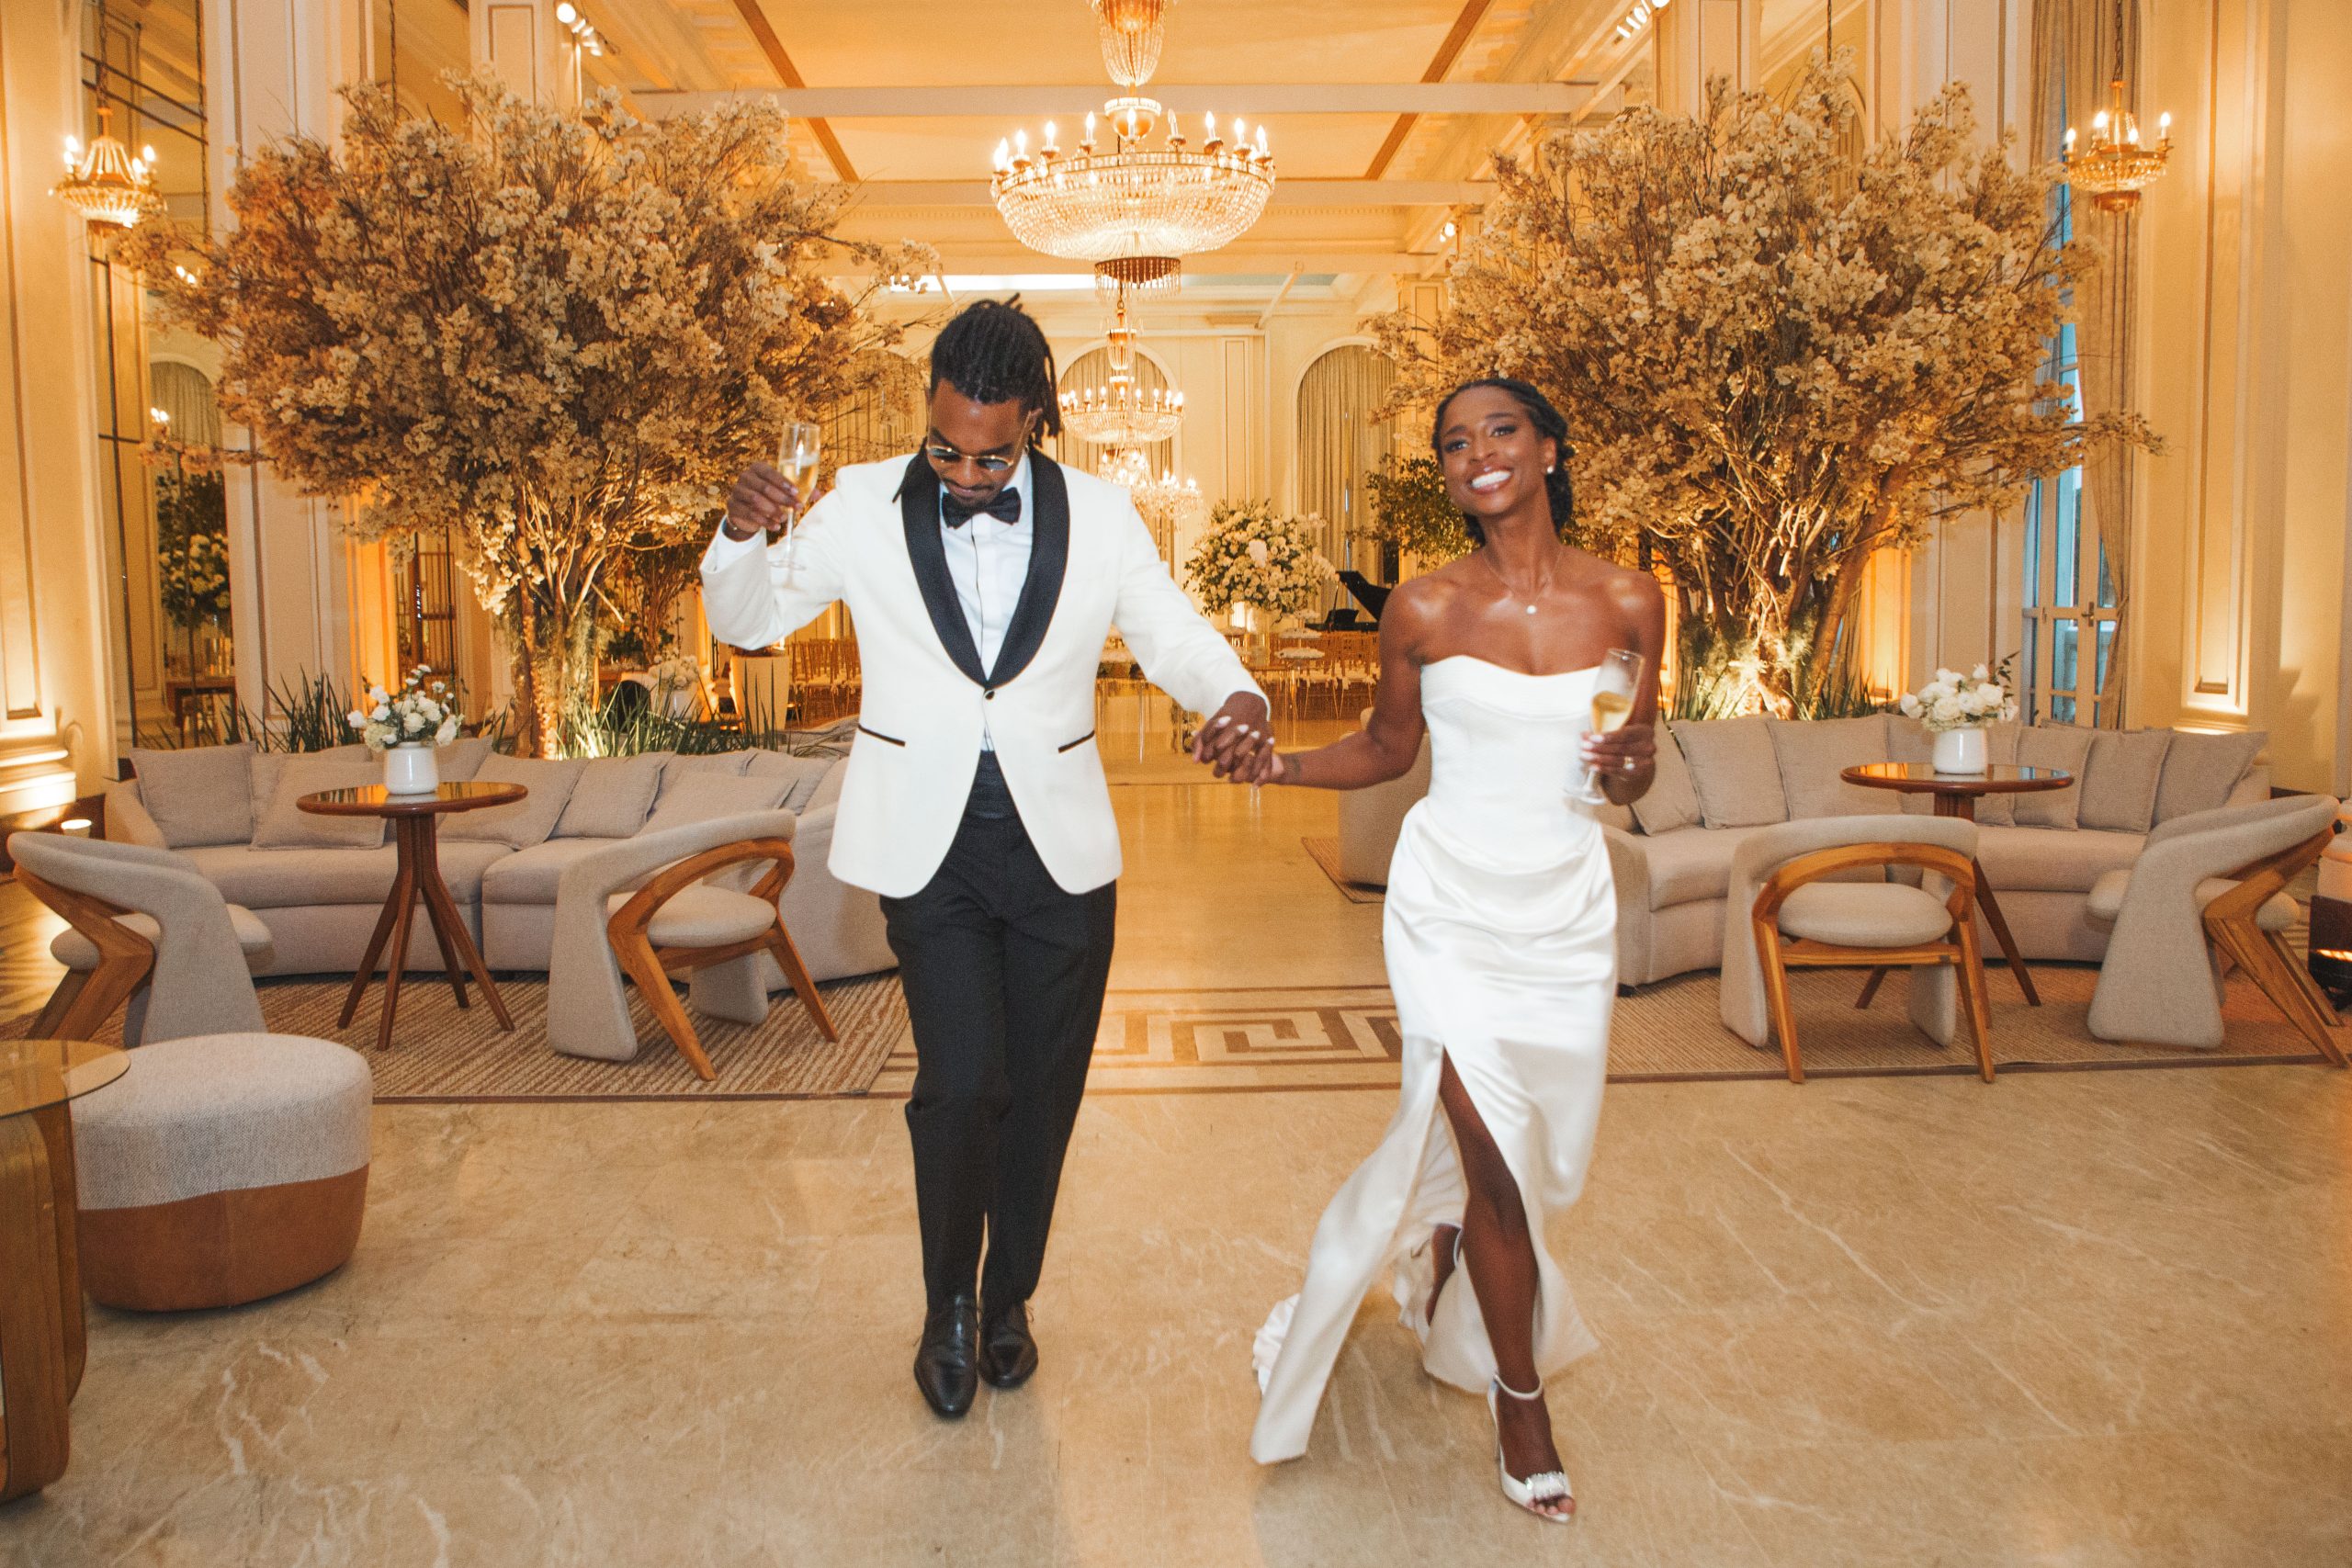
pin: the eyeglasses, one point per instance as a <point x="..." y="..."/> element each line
<point x="948" y="457"/>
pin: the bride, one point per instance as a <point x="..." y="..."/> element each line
<point x="1500" y="940"/>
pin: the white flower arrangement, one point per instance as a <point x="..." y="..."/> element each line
<point x="423" y="712"/>
<point x="1954" y="701"/>
<point x="1252" y="554"/>
<point x="674" y="674"/>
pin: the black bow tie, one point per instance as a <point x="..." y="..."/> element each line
<point x="1006" y="508"/>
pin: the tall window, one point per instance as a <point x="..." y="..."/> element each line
<point x="1339" y="442"/>
<point x="2069" y="598"/>
<point x="162" y="520"/>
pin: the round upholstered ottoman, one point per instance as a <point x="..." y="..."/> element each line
<point x="220" y="1170"/>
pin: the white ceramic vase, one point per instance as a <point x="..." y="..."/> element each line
<point x="1960" y="751"/>
<point x="412" y="768"/>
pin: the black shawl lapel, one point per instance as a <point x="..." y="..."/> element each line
<point x="1049" y="558"/>
<point x="918" y="506"/>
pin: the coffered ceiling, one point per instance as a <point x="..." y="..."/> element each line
<point x="1382" y="115"/>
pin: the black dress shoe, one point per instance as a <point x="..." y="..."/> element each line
<point x="946" y="1367"/>
<point x="1008" y="1353"/>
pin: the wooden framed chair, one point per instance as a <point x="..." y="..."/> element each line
<point x="148" y="933"/>
<point x="677" y="924"/>
<point x="2211" y="885"/>
<point x="681" y="900"/>
<point x="1795" y="904"/>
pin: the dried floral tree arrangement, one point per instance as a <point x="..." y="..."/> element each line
<point x="1774" y="359"/>
<point x="556" y="334"/>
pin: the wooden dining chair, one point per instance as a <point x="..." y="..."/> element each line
<point x="678" y="923"/>
<point x="1807" y="912"/>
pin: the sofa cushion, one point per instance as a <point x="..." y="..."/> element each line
<point x="1693" y="864"/>
<point x="829" y="788"/>
<point x="201" y="796"/>
<point x="2000" y="751"/>
<point x="733" y="761"/>
<point x="1810" y="753"/>
<point x="281" y="879"/>
<point x="2066" y="747"/>
<point x="2052" y="860"/>
<point x="463" y="758"/>
<point x="529" y="876"/>
<point x="1734" y="770"/>
<point x="1908" y="740"/>
<point x="706" y="797"/>
<point x="1670" y="802"/>
<point x="527" y="821"/>
<point x="612" y="796"/>
<point x="2202" y="769"/>
<point x="805" y="775"/>
<point x="281" y="824"/>
<point x="270" y="766"/>
<point x="2121" y="779"/>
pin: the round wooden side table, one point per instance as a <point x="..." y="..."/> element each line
<point x="43" y="1341"/>
<point x="414" y="820"/>
<point x="1956" y="795"/>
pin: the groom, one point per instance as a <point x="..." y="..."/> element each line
<point x="983" y="578"/>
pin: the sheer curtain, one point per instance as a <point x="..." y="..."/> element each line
<point x="1339" y="443"/>
<point x="2074" y="55"/>
<point x="183" y="392"/>
<point x="885" y="421"/>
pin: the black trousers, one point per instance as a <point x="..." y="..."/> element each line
<point x="1004" y="974"/>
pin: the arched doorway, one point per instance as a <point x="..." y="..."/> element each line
<point x="1340" y="439"/>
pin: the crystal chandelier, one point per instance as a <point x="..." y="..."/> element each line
<point x="2113" y="167"/>
<point x="1122" y="414"/>
<point x="104" y="183"/>
<point x="1128" y="201"/>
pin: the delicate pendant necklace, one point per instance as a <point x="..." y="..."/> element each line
<point x="1514" y="593"/>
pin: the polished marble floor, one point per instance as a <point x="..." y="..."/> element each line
<point x="2080" y="1319"/>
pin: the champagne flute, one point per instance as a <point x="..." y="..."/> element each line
<point x="1613" y="686"/>
<point x="795" y="458"/>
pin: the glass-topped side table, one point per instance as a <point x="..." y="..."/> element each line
<point x="44" y="1342"/>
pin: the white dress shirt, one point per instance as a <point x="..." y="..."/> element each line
<point x="988" y="562"/>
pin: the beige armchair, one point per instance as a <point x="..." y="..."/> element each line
<point x="1371" y="818"/>
<point x="149" y="934"/>
<point x="2210" y="887"/>
<point x="662" y="902"/>
<point x="1815" y="894"/>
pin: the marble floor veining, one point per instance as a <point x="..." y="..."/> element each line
<point x="2081" y="1319"/>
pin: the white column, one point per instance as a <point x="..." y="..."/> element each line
<point x="57" y="700"/>
<point x="523" y="44"/>
<point x="306" y="595"/>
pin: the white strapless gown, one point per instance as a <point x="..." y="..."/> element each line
<point x="1500" y="934"/>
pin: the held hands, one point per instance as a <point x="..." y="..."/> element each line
<point x="1621" y="755"/>
<point x="762" y="502"/>
<point x="1237" y="740"/>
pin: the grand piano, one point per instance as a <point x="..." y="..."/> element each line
<point x="1368" y="593"/>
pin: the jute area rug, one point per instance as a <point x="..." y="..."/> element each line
<point x="440" y="1054"/>
<point x="1325" y="853"/>
<point x="1291" y="1039"/>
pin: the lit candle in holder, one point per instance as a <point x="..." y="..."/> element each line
<point x="1212" y="141"/>
<point x="1088" y="144"/>
<point x="1049" y="149"/>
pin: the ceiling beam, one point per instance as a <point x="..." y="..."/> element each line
<point x="1253" y="100"/>
<point x="1473" y="13"/>
<point x="756" y="21"/>
<point x="874" y="193"/>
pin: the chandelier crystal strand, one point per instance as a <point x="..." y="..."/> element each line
<point x="1132" y="31"/>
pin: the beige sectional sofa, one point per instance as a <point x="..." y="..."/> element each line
<point x="319" y="883"/>
<point x="1720" y="780"/>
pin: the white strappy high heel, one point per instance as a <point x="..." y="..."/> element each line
<point x="1549" y="1487"/>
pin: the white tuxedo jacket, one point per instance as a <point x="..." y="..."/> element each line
<point x="873" y="542"/>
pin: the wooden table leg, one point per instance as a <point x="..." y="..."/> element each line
<point x="1964" y="807"/>
<point x="449" y="925"/>
<point x="36" y="1376"/>
<point x="366" y="970"/>
<point x="428" y="857"/>
<point x="403" y="907"/>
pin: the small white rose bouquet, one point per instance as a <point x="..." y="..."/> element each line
<point x="1954" y="701"/>
<point x="423" y="713"/>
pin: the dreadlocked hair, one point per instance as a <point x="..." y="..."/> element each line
<point x="994" y="352"/>
<point x="1547" y="422"/>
